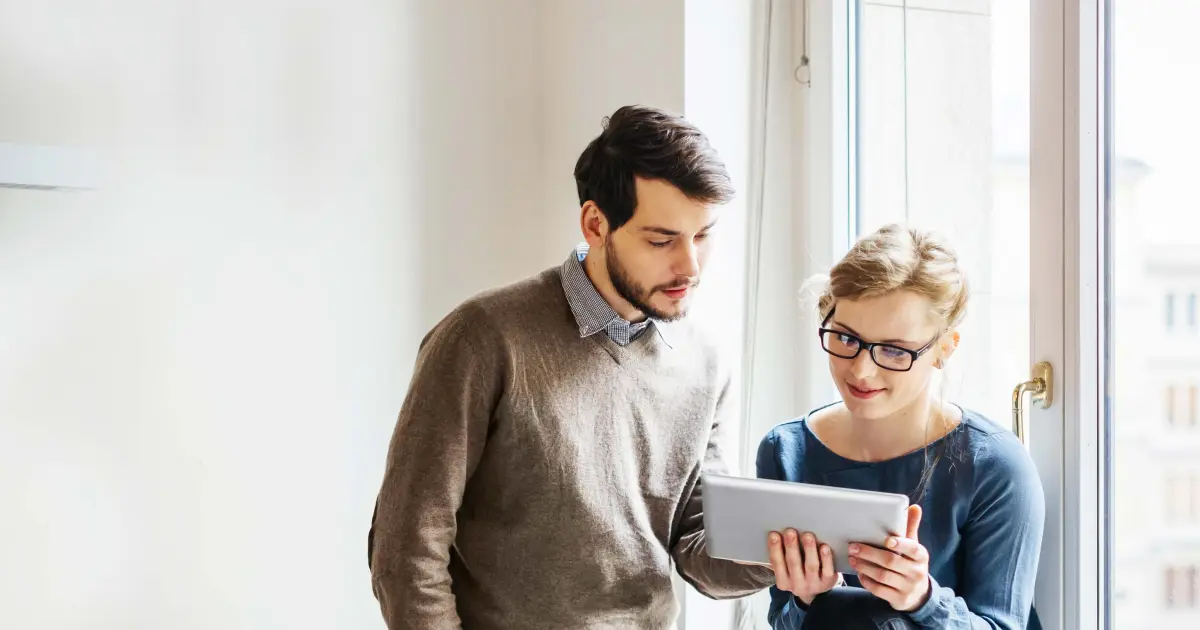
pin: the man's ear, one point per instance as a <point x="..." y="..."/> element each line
<point x="593" y="223"/>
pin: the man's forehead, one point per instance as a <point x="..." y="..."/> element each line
<point x="680" y="216"/>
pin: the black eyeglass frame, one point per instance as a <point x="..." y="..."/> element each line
<point x="870" y="347"/>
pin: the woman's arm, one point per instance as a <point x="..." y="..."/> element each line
<point x="1000" y="543"/>
<point x="786" y="612"/>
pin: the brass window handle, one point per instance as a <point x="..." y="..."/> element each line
<point x="1041" y="385"/>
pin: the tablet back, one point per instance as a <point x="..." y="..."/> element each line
<point x="739" y="513"/>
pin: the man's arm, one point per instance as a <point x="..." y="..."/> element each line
<point x="437" y="443"/>
<point x="718" y="579"/>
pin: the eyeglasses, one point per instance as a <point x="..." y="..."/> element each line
<point x="843" y="345"/>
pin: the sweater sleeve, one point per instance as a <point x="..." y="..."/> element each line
<point x="1000" y="543"/>
<point x="435" y="447"/>
<point x="717" y="579"/>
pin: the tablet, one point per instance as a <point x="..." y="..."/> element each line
<point x="739" y="513"/>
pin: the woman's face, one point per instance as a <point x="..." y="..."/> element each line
<point x="901" y="319"/>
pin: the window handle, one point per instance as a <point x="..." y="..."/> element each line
<point x="1041" y="385"/>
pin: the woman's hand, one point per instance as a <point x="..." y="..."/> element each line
<point x="800" y="568"/>
<point x="898" y="574"/>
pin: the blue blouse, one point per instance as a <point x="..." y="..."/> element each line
<point x="983" y="513"/>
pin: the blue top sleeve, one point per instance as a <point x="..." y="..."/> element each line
<point x="786" y="612"/>
<point x="1001" y="543"/>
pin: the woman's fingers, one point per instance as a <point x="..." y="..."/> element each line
<point x="882" y="591"/>
<point x="877" y="573"/>
<point x="909" y="548"/>
<point x="812" y="560"/>
<point x="802" y="564"/>
<point x="882" y="558"/>
<point x="779" y="565"/>
<point x="914" y="521"/>
<point x="827" y="572"/>
<point x="791" y="545"/>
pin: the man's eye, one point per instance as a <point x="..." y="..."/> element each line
<point x="659" y="243"/>
<point x="701" y="237"/>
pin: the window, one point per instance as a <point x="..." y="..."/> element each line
<point x="1182" y="406"/>
<point x="1170" y="405"/>
<point x="1190" y="586"/>
<point x="1169" y="596"/>
<point x="1181" y="499"/>
<point x="1193" y="511"/>
<point x="940" y="125"/>
<point x="1192" y="394"/>
<point x="1171" y="498"/>
<point x="942" y="143"/>
<point x="1181" y="586"/>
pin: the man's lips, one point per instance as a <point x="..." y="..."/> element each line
<point x="677" y="292"/>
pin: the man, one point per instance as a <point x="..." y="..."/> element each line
<point x="545" y="468"/>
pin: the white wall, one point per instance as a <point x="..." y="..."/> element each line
<point x="598" y="55"/>
<point x="201" y="363"/>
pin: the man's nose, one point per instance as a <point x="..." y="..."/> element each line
<point x="687" y="262"/>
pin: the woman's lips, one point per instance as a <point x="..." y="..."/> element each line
<point x="863" y="394"/>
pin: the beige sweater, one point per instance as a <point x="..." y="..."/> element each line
<point x="537" y="479"/>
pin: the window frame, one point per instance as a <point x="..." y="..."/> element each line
<point x="1069" y="205"/>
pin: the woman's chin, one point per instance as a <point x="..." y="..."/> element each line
<point x="869" y="408"/>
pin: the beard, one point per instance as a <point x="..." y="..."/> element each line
<point x="634" y="293"/>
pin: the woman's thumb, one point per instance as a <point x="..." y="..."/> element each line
<point x="914" y="521"/>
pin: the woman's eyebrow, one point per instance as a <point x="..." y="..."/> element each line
<point x="855" y="333"/>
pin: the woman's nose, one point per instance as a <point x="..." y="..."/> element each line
<point x="864" y="366"/>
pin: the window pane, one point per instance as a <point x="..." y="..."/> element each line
<point x="1192" y="406"/>
<point x="1154" y="270"/>
<point x="1170" y="405"/>
<point x="1193" y="576"/>
<point x="1169" y="587"/>
<point x="943" y="144"/>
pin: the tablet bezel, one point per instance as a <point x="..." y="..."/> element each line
<point x="739" y="513"/>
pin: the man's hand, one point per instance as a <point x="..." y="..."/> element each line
<point x="898" y="574"/>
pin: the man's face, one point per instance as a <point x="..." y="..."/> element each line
<point x="654" y="261"/>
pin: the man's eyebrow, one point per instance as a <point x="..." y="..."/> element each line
<point x="668" y="232"/>
<point x="855" y="333"/>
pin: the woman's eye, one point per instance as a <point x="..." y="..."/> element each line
<point x="848" y="340"/>
<point x="892" y="353"/>
<point x="659" y="243"/>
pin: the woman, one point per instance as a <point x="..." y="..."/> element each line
<point x="890" y="311"/>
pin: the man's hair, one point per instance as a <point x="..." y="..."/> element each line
<point x="652" y="144"/>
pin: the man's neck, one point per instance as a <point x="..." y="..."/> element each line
<point x="593" y="265"/>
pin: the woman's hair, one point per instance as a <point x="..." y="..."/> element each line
<point x="895" y="258"/>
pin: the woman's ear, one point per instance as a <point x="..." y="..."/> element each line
<point x="946" y="348"/>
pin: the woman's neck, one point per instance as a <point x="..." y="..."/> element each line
<point x="889" y="437"/>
